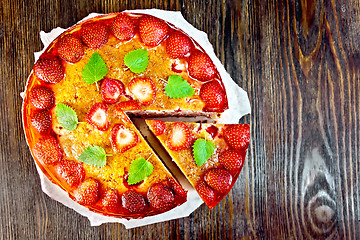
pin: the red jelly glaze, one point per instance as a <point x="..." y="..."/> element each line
<point x="212" y="130"/>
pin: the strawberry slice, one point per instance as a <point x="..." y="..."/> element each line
<point x="118" y="113"/>
<point x="143" y="89"/>
<point x="42" y="98"/>
<point x="71" y="171"/>
<point x="178" y="45"/>
<point x="205" y="192"/>
<point x="160" y="197"/>
<point x="87" y="192"/>
<point x="122" y="27"/>
<point x="218" y="179"/>
<point x="41" y="121"/>
<point x="232" y="160"/>
<point x="70" y="48"/>
<point x="47" y="150"/>
<point x="111" y="90"/>
<point x="179" y="137"/>
<point x="237" y="136"/>
<point x="49" y="69"/>
<point x="97" y="116"/>
<point x="177" y="188"/>
<point x="133" y="202"/>
<point x="127" y="106"/>
<point x="94" y="35"/>
<point x="201" y="67"/>
<point x="152" y="30"/>
<point x="157" y="126"/>
<point x="123" y="138"/>
<point x="110" y="200"/>
<point x="213" y="95"/>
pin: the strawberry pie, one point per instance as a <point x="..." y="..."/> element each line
<point x="76" y="113"/>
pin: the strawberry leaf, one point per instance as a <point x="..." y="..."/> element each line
<point x="66" y="116"/>
<point x="139" y="170"/>
<point x="178" y="87"/>
<point x="202" y="151"/>
<point x="137" y="60"/>
<point x="94" y="156"/>
<point x="95" y="69"/>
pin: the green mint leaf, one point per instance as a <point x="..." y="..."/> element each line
<point x="177" y="87"/>
<point x="95" y="69"/>
<point x="137" y="60"/>
<point x="66" y="116"/>
<point x="94" y="156"/>
<point x="202" y="151"/>
<point x="139" y="170"/>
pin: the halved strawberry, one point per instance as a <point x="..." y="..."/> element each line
<point x="127" y="106"/>
<point x="111" y="90"/>
<point x="123" y="138"/>
<point x="87" y="192"/>
<point x="205" y="192"/>
<point x="143" y="89"/>
<point x="160" y="197"/>
<point x="178" y="45"/>
<point x="94" y="35"/>
<point x="42" y="97"/>
<point x="157" y="126"/>
<point x="122" y="27"/>
<point x="152" y="30"/>
<point x="70" y="48"/>
<point x="97" y="116"/>
<point x="177" y="188"/>
<point x="232" y="160"/>
<point x="49" y="69"/>
<point x="47" y="150"/>
<point x="213" y="95"/>
<point x="218" y="179"/>
<point x="133" y="202"/>
<point x="41" y="121"/>
<point x="72" y="172"/>
<point x="237" y="136"/>
<point x="201" y="67"/>
<point x="179" y="137"/>
<point x="110" y="200"/>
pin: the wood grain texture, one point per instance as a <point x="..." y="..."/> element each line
<point x="300" y="63"/>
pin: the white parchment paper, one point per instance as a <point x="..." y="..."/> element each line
<point x="239" y="106"/>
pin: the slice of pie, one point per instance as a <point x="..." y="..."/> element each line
<point x="77" y="98"/>
<point x="210" y="155"/>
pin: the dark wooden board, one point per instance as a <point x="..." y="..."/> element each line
<point x="299" y="62"/>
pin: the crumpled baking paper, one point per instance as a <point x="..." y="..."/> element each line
<point x="239" y="106"/>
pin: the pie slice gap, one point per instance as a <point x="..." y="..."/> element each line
<point x="211" y="156"/>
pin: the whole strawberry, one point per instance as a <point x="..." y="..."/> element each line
<point x="70" y="48"/>
<point x="87" y="192"/>
<point x="72" y="172"/>
<point x="213" y="95"/>
<point x="41" y="121"/>
<point x="201" y="67"/>
<point x="237" y="136"/>
<point x="133" y="202"/>
<point x="42" y="98"/>
<point x="49" y="69"/>
<point x="122" y="27"/>
<point x="205" y="192"/>
<point x="232" y="160"/>
<point x="94" y="35"/>
<point x="152" y="30"/>
<point x="218" y="179"/>
<point x="47" y="150"/>
<point x="178" y="45"/>
<point x="110" y="200"/>
<point x="160" y="197"/>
